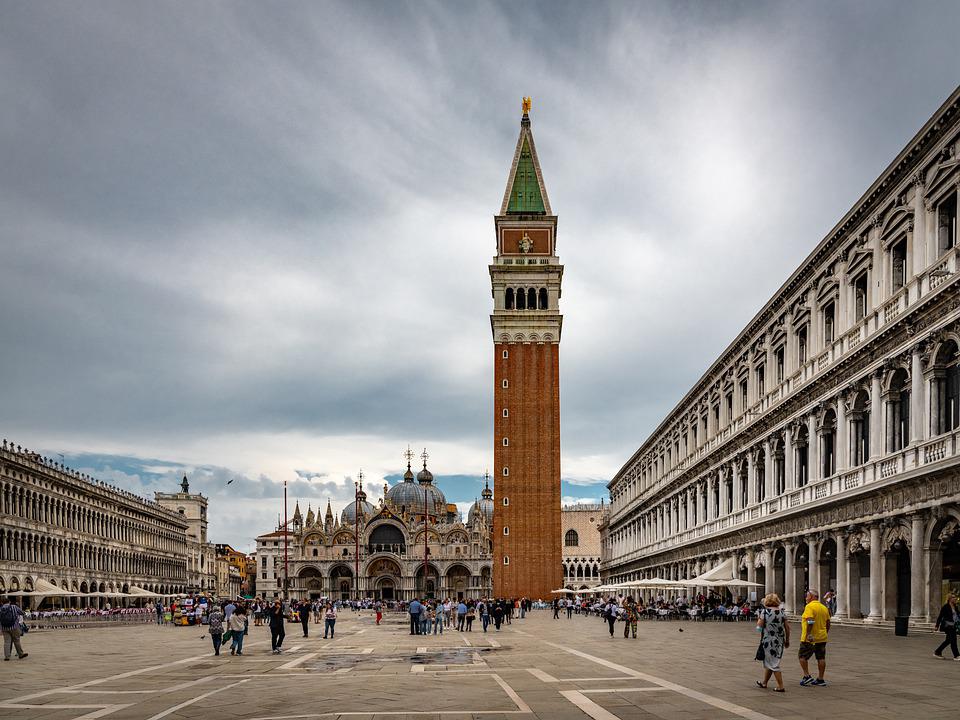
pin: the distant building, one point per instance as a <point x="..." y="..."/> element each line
<point x="201" y="570"/>
<point x="67" y="529"/>
<point x="581" y="545"/>
<point x="231" y="571"/>
<point x="413" y="519"/>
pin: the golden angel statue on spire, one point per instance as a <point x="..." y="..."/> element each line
<point x="526" y="105"/>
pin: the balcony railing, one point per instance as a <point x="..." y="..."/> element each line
<point x="942" y="448"/>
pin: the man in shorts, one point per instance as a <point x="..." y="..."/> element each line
<point x="814" y="626"/>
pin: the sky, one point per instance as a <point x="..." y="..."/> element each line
<point x="249" y="240"/>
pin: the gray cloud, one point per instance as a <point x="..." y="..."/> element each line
<point x="256" y="236"/>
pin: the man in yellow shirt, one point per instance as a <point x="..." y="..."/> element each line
<point x="814" y="626"/>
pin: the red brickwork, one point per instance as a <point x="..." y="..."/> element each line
<point x="532" y="398"/>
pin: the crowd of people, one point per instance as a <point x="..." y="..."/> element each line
<point x="432" y="616"/>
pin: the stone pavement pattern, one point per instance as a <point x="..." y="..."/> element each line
<point x="536" y="668"/>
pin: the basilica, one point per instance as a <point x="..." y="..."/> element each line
<point x="414" y="544"/>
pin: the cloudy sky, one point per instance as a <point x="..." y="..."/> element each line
<point x="250" y="240"/>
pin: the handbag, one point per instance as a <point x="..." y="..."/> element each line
<point x="227" y="636"/>
<point x="760" y="654"/>
<point x="24" y="628"/>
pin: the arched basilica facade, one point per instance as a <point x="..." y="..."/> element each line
<point x="414" y="519"/>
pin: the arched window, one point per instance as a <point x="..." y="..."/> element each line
<point x="571" y="539"/>
<point x="898" y="411"/>
<point x="508" y="303"/>
<point x="543" y="298"/>
<point x="532" y="299"/>
<point x="521" y="299"/>
<point x="945" y="390"/>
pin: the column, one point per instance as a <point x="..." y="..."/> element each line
<point x="813" y="449"/>
<point x="768" y="570"/>
<point x="768" y="479"/>
<point x="843" y="576"/>
<point x="789" y="478"/>
<point x="813" y="565"/>
<point x="751" y="569"/>
<point x="711" y="508"/>
<point x="788" y="577"/>
<point x="751" y="477"/>
<point x="917" y="415"/>
<point x="876" y="573"/>
<point x="919" y="254"/>
<point x="876" y="417"/>
<point x="841" y="447"/>
<point x="735" y="485"/>
<point x="917" y="568"/>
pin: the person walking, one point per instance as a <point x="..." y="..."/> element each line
<point x="461" y="615"/>
<point x="471" y="614"/>
<point x="378" y="608"/>
<point x="447" y="612"/>
<point x="569" y="603"/>
<point x="610" y="613"/>
<point x="947" y="624"/>
<point x="236" y="625"/>
<point x="436" y="615"/>
<point x="556" y="608"/>
<point x="414" y="610"/>
<point x="497" y="615"/>
<point x="10" y="619"/>
<point x="425" y="609"/>
<point x="815" y="624"/>
<point x="484" y="609"/>
<point x="158" y="607"/>
<point x="277" y="632"/>
<point x="630" y="615"/>
<point x="329" y="620"/>
<point x="774" y="638"/>
<point x="305" y="617"/>
<point x="215" y="626"/>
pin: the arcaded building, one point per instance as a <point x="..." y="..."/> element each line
<point x="414" y="544"/>
<point x="821" y="449"/>
<point x="82" y="535"/>
<point x="526" y="321"/>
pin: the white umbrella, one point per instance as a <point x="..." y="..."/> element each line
<point x="563" y="591"/>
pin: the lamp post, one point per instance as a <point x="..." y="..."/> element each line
<point x="286" y="567"/>
<point x="357" y="489"/>
<point x="426" y="516"/>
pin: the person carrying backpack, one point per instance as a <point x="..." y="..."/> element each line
<point x="10" y="615"/>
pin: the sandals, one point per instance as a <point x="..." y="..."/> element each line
<point x="779" y="689"/>
<point x="761" y="685"/>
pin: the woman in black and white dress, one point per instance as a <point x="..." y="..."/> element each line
<point x="774" y="638"/>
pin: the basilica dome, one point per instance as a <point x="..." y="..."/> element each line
<point x="410" y="495"/>
<point x="349" y="516"/>
<point x="484" y="505"/>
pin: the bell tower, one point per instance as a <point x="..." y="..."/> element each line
<point x="526" y="321"/>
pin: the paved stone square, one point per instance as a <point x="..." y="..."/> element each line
<point x="537" y="667"/>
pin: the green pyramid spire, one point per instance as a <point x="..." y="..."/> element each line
<point x="525" y="194"/>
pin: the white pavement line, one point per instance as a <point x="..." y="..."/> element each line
<point x="417" y="668"/>
<point x="100" y="713"/>
<point x="172" y="688"/>
<point x="100" y="681"/>
<point x="421" y="650"/>
<point x="367" y="651"/>
<point x="512" y="694"/>
<point x="342" y="671"/>
<point x="588" y="706"/>
<point x="360" y="632"/>
<point x="294" y="663"/>
<point x="198" y="698"/>
<point x="543" y="676"/>
<point x="716" y="702"/>
<point x="293" y="649"/>
<point x="494" y="644"/>
<point x="626" y="690"/>
<point x="466" y="641"/>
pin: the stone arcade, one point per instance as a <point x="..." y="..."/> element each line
<point x="823" y="447"/>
